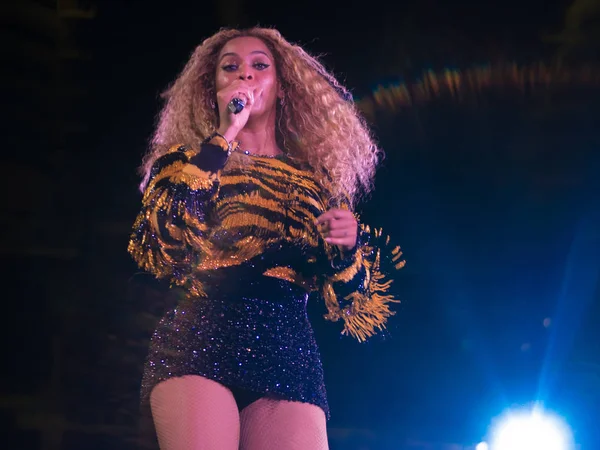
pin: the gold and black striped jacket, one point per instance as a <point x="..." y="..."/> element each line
<point x="204" y="212"/>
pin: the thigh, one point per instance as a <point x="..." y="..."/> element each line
<point x="283" y="425"/>
<point x="195" y="413"/>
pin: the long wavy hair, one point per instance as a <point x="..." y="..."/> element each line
<point x="316" y="123"/>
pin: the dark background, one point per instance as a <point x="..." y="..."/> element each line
<point x="493" y="194"/>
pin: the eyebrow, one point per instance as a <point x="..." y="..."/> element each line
<point x="252" y="53"/>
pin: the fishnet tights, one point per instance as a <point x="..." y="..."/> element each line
<point x="195" y="413"/>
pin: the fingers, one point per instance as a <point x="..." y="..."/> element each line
<point x="255" y="93"/>
<point x="235" y="90"/>
<point x="245" y="96"/>
<point x="348" y="230"/>
<point x="342" y="242"/>
<point x="344" y="238"/>
<point x="341" y="233"/>
<point x="227" y="119"/>
<point x="337" y="225"/>
<point x="250" y="94"/>
<point x="241" y="90"/>
<point x="333" y="215"/>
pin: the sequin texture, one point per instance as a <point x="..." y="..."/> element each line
<point x="261" y="341"/>
<point x="236" y="234"/>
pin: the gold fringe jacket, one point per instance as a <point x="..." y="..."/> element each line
<point x="204" y="211"/>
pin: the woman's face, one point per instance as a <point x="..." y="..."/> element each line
<point x="249" y="59"/>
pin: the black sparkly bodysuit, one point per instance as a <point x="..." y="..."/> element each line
<point x="237" y="235"/>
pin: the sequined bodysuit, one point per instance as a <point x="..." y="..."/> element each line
<point x="237" y="235"/>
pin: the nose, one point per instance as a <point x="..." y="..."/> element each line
<point x="245" y="73"/>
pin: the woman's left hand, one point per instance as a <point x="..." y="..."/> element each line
<point x="339" y="227"/>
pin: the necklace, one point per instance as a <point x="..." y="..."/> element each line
<point x="249" y="153"/>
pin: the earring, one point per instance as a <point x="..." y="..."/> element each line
<point x="212" y="104"/>
<point x="282" y="101"/>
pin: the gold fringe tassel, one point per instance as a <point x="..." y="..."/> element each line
<point x="367" y="313"/>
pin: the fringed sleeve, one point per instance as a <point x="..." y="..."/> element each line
<point x="170" y="231"/>
<point x="357" y="289"/>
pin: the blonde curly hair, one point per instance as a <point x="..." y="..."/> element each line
<point x="316" y="123"/>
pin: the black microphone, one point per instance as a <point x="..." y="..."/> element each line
<point x="236" y="105"/>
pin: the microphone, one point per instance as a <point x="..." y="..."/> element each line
<point x="236" y="105"/>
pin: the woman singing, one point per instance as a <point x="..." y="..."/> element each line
<point x="246" y="212"/>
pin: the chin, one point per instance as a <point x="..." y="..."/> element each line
<point x="261" y="111"/>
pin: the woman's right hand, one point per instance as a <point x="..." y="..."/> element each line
<point x="230" y="124"/>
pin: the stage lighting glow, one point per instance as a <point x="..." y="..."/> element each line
<point x="482" y="446"/>
<point x="531" y="430"/>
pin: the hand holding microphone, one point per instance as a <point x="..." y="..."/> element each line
<point x="235" y="104"/>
